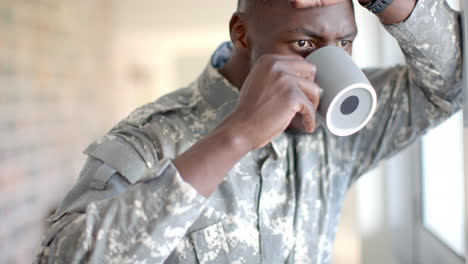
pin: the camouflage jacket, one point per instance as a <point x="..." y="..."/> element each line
<point x="279" y="204"/>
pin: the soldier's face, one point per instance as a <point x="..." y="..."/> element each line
<point x="278" y="28"/>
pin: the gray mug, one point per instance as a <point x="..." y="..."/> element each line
<point x="348" y="101"/>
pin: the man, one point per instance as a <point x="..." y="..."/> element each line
<point x="212" y="174"/>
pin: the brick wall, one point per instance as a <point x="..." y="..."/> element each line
<point x="56" y="96"/>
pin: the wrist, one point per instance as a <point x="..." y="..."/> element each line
<point x="235" y="136"/>
<point x="206" y="163"/>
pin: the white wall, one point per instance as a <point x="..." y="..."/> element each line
<point x="169" y="41"/>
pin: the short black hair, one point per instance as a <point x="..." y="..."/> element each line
<point x="248" y="5"/>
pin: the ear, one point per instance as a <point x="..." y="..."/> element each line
<point x="238" y="30"/>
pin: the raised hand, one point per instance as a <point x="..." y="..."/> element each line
<point x="278" y="88"/>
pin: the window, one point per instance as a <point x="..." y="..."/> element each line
<point x="443" y="184"/>
<point x="439" y="227"/>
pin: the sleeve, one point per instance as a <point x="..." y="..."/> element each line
<point x="411" y="98"/>
<point x="122" y="209"/>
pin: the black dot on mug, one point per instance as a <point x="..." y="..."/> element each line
<point x="349" y="105"/>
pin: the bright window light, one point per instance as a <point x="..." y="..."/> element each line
<point x="443" y="183"/>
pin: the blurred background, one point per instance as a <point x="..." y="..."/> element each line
<point x="69" y="70"/>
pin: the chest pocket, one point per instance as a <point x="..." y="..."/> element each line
<point x="211" y="245"/>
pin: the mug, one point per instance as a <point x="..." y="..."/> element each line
<point x="348" y="101"/>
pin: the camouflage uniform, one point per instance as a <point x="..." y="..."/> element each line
<point x="279" y="204"/>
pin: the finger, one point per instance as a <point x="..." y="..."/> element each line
<point x="310" y="89"/>
<point x="293" y="64"/>
<point x="284" y="56"/>
<point x="308" y="116"/>
<point x="313" y="3"/>
<point x="299" y="67"/>
<point x="307" y="112"/>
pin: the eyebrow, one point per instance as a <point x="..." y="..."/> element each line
<point x="313" y="34"/>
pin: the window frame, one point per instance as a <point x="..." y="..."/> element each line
<point x="464" y="19"/>
<point x="422" y="246"/>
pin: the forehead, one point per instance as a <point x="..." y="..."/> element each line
<point x="277" y="16"/>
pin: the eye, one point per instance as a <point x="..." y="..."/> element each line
<point x="302" y="45"/>
<point x="344" y="43"/>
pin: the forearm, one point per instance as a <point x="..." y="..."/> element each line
<point x="207" y="162"/>
<point x="431" y="41"/>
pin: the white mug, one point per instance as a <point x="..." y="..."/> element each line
<point x="348" y="101"/>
